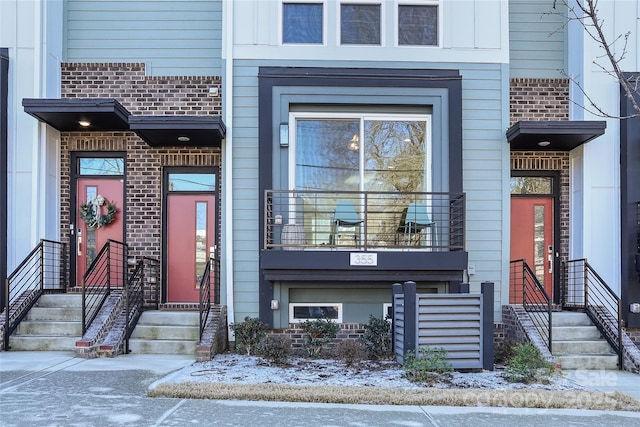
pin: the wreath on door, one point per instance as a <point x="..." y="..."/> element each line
<point x="91" y="212"/>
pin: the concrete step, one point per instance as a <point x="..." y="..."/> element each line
<point x="166" y="332"/>
<point x="588" y="362"/>
<point x="49" y="327"/>
<point x="55" y="313"/>
<point x="570" y="318"/>
<point x="582" y="347"/>
<point x="60" y="300"/>
<point x="173" y="318"/>
<point x="42" y="343"/>
<point x="565" y="333"/>
<point x="142" y="346"/>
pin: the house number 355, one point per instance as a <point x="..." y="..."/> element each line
<point x="363" y="259"/>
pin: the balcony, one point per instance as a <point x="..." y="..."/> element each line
<point x="379" y="234"/>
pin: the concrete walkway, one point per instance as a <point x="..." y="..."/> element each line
<point x="57" y="389"/>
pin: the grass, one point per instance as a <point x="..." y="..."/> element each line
<point x="592" y="400"/>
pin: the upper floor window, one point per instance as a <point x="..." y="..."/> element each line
<point x="417" y="25"/>
<point x="302" y="23"/>
<point x="360" y="23"/>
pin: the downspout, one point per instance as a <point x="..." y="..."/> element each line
<point x="227" y="155"/>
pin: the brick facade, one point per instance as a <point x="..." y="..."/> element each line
<point x="542" y="100"/>
<point x="139" y="94"/>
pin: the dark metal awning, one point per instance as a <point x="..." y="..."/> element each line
<point x="553" y="135"/>
<point x="180" y="131"/>
<point x="79" y="114"/>
<point x="107" y="114"/>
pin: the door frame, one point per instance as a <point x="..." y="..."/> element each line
<point x="73" y="198"/>
<point x="166" y="171"/>
<point x="555" y="195"/>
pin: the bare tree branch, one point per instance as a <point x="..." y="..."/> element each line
<point x="586" y="13"/>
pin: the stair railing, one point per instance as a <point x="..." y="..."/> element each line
<point x="211" y="274"/>
<point x="44" y="268"/>
<point x="147" y="272"/>
<point x="526" y="289"/>
<point x="584" y="289"/>
<point x="106" y="272"/>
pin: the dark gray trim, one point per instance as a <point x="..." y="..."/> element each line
<point x="4" y="141"/>
<point x="487" y="289"/>
<point x="562" y="135"/>
<point x="63" y="114"/>
<point x="629" y="205"/>
<point x="273" y="77"/>
<point x="107" y="114"/>
<point x="164" y="131"/>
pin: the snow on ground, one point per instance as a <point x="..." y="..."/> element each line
<point x="240" y="369"/>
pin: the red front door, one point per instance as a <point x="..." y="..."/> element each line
<point x="92" y="232"/>
<point x="190" y="242"/>
<point x="532" y="236"/>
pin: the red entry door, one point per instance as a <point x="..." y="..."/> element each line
<point x="90" y="238"/>
<point x="190" y="242"/>
<point x="532" y="236"/>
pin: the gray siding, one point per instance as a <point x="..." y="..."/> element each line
<point x="486" y="172"/>
<point x="537" y="39"/>
<point x="171" y="37"/>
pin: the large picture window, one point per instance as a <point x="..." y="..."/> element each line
<point x="361" y="153"/>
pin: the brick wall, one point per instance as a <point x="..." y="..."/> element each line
<point x="539" y="99"/>
<point x="140" y="94"/>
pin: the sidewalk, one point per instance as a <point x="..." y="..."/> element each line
<point x="55" y="388"/>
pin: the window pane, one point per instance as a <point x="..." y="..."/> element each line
<point x="201" y="241"/>
<point x="360" y="24"/>
<point x="302" y="23"/>
<point x="531" y="185"/>
<point x="418" y="25"/>
<point x="192" y="182"/>
<point x="327" y="156"/>
<point x="394" y="155"/>
<point x="101" y="166"/>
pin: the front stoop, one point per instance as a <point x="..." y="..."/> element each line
<point x="53" y="324"/>
<point x="577" y="343"/>
<point x="166" y="332"/>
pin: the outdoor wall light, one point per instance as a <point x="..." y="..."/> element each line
<point x="131" y="261"/>
<point x="284" y="134"/>
<point x="634" y="307"/>
<point x="277" y="219"/>
<point x="275" y="304"/>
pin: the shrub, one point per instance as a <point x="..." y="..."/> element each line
<point x="427" y="365"/>
<point x="275" y="348"/>
<point x="350" y="351"/>
<point x="527" y="365"/>
<point x="376" y="337"/>
<point x="318" y="333"/>
<point x="248" y="334"/>
<point x="504" y="351"/>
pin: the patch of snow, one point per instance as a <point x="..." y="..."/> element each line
<point x="241" y="369"/>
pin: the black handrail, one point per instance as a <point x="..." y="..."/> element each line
<point x="585" y="289"/>
<point x="211" y="273"/>
<point x="146" y="272"/>
<point x="106" y="272"/>
<point x="44" y="268"/>
<point x="526" y="289"/>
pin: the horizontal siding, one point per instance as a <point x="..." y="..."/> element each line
<point x="485" y="116"/>
<point x="171" y="37"/>
<point x="536" y="39"/>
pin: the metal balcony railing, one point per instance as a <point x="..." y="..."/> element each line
<point x="305" y="220"/>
